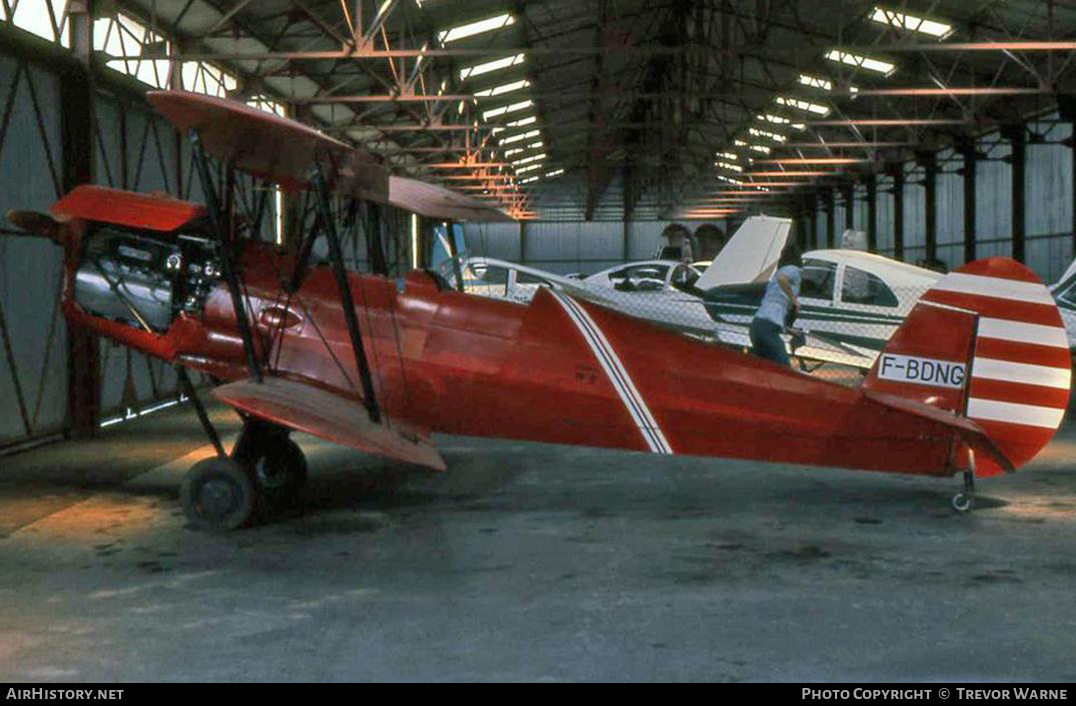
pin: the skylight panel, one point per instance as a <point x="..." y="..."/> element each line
<point x="803" y="105"/>
<point x="503" y="110"/>
<point x="755" y="132"/>
<point x="503" y="88"/>
<point x="864" y="62"/>
<point x="515" y="123"/>
<point x="473" y="28"/>
<point x="529" y="160"/>
<point x="778" y="120"/>
<point x="487" y="67"/>
<point x="816" y="82"/>
<point x="912" y="23"/>
<point x="521" y="136"/>
<point x="756" y="148"/>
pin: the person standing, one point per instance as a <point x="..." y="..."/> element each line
<point x="779" y="307"/>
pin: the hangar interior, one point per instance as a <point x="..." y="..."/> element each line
<point x="941" y="130"/>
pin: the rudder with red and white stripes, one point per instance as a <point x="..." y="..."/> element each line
<point x="986" y="341"/>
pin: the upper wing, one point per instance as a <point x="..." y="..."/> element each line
<point x="305" y="407"/>
<point x="435" y="201"/>
<point x="272" y="147"/>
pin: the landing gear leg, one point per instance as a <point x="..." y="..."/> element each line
<point x="965" y="499"/>
<point x="276" y="464"/>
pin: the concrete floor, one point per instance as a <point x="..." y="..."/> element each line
<point x="531" y="562"/>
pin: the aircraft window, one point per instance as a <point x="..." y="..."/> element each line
<point x="637" y="272"/>
<point x="1069" y="295"/>
<point x="525" y="278"/>
<point x="817" y="282"/>
<point x="493" y="278"/>
<point x="636" y="278"/>
<point x="864" y="288"/>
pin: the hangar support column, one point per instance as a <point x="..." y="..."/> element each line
<point x="898" y="212"/>
<point x="830" y="217"/>
<point x="872" y="213"/>
<point x="971" y="156"/>
<point x="1017" y="137"/>
<point x="930" y="183"/>
<point x="77" y="130"/>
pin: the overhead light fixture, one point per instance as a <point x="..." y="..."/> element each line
<point x="728" y="165"/>
<point x="863" y="62"/>
<point x="505" y="109"/>
<point x="528" y="168"/>
<point x="815" y="160"/>
<point x="783" y="173"/>
<point x="555" y="172"/>
<point x="495" y="65"/>
<point x="912" y="23"/>
<point x="728" y="155"/>
<point x="803" y="105"/>
<point x="528" y="180"/>
<point x="503" y="88"/>
<point x="729" y="180"/>
<point x="473" y="28"/>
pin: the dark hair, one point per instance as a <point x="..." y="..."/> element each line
<point x="790" y="255"/>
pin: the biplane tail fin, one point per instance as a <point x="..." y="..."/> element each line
<point x="987" y="343"/>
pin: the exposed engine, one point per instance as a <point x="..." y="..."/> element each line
<point x="145" y="279"/>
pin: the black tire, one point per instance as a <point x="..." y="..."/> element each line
<point x="217" y="495"/>
<point x="278" y="469"/>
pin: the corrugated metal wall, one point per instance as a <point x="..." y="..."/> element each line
<point x="570" y="246"/>
<point x="33" y="343"/>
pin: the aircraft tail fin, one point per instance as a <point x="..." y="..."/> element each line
<point x="750" y="255"/>
<point x="986" y="342"/>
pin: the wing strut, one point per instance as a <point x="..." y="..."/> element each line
<point x="224" y="250"/>
<point x="328" y="226"/>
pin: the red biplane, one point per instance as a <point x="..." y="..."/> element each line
<point x="976" y="380"/>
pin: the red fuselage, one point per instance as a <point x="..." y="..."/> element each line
<point x="555" y="371"/>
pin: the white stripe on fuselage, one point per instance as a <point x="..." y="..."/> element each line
<point x="617" y="374"/>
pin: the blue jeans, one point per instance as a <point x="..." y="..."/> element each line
<point x="766" y="341"/>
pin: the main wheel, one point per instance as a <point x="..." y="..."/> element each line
<point x="278" y="469"/>
<point x="962" y="502"/>
<point x="217" y="495"/>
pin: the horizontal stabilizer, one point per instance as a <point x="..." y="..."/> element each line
<point x="750" y="255"/>
<point x="326" y="415"/>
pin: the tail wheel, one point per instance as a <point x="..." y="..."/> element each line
<point x="218" y="495"/>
